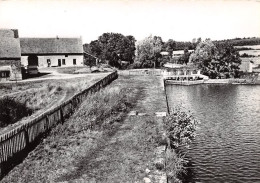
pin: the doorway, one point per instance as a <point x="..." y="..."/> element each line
<point x="59" y="62"/>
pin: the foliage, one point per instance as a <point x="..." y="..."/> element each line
<point x="180" y="131"/>
<point x="216" y="61"/>
<point x="12" y="111"/>
<point x="180" y="128"/>
<point x="184" y="59"/>
<point x="148" y="51"/>
<point x="241" y="41"/>
<point x="228" y="60"/>
<point x="169" y="46"/>
<point x="246" y="55"/>
<point x="112" y="47"/>
<point x="174" y="166"/>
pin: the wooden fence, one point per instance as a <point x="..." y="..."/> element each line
<point x="17" y="143"/>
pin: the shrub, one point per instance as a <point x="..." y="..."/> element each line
<point x="180" y="131"/>
<point x="11" y="111"/>
<point x="180" y="128"/>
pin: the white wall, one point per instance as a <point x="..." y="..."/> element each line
<point x="42" y="60"/>
<point x="246" y="66"/>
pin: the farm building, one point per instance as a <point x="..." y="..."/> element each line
<point x="10" y="55"/>
<point x="51" y="52"/>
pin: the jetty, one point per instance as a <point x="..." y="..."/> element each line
<point x="183" y="75"/>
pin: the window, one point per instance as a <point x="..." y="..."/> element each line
<point x="74" y="61"/>
<point x="66" y="55"/>
<point x="4" y="74"/>
<point x="63" y="62"/>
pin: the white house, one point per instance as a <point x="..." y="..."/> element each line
<point x="51" y="52"/>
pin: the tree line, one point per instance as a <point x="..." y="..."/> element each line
<point x="217" y="59"/>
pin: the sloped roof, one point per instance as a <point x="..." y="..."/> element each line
<point x="10" y="47"/>
<point x="51" y="45"/>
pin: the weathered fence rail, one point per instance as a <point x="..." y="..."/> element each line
<point x="16" y="144"/>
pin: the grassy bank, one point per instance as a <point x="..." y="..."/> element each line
<point x="100" y="142"/>
<point x="42" y="95"/>
<point x="12" y="111"/>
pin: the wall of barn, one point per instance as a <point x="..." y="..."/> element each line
<point x="43" y="60"/>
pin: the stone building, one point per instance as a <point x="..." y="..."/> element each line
<point x="51" y="52"/>
<point x="10" y="55"/>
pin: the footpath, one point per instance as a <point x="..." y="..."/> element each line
<point x="126" y="155"/>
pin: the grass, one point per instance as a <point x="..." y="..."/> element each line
<point x="12" y="111"/>
<point x="63" y="70"/>
<point x="39" y="96"/>
<point x="100" y="142"/>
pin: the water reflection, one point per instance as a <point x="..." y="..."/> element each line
<point x="227" y="145"/>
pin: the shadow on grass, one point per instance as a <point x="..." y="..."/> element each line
<point x="29" y="76"/>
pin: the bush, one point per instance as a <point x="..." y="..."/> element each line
<point x="11" y="111"/>
<point x="180" y="128"/>
<point x="180" y="131"/>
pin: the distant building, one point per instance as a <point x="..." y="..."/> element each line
<point x="51" y="52"/>
<point x="178" y="53"/>
<point x="164" y="53"/>
<point x="10" y="55"/>
<point x="246" y="65"/>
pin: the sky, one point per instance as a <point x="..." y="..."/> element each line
<point x="180" y="20"/>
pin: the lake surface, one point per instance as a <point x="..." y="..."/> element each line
<point x="227" y="145"/>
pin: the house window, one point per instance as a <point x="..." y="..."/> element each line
<point x="66" y="55"/>
<point x="63" y="62"/>
<point x="74" y="61"/>
<point x="4" y="74"/>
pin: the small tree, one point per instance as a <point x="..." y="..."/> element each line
<point x="148" y="51"/>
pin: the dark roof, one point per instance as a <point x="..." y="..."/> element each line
<point x="51" y="45"/>
<point x="10" y="47"/>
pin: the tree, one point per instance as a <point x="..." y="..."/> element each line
<point x="184" y="59"/>
<point x="112" y="47"/>
<point x="148" y="51"/>
<point x="170" y="45"/>
<point x="89" y="58"/>
<point x="228" y="60"/>
<point x="221" y="61"/>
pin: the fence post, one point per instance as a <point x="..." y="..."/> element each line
<point x="61" y="115"/>
<point x="26" y="138"/>
<point x="46" y="126"/>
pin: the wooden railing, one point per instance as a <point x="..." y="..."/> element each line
<point x="17" y="143"/>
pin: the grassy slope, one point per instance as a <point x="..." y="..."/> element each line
<point x="119" y="149"/>
<point x="43" y="95"/>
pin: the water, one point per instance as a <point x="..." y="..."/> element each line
<point x="227" y="145"/>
